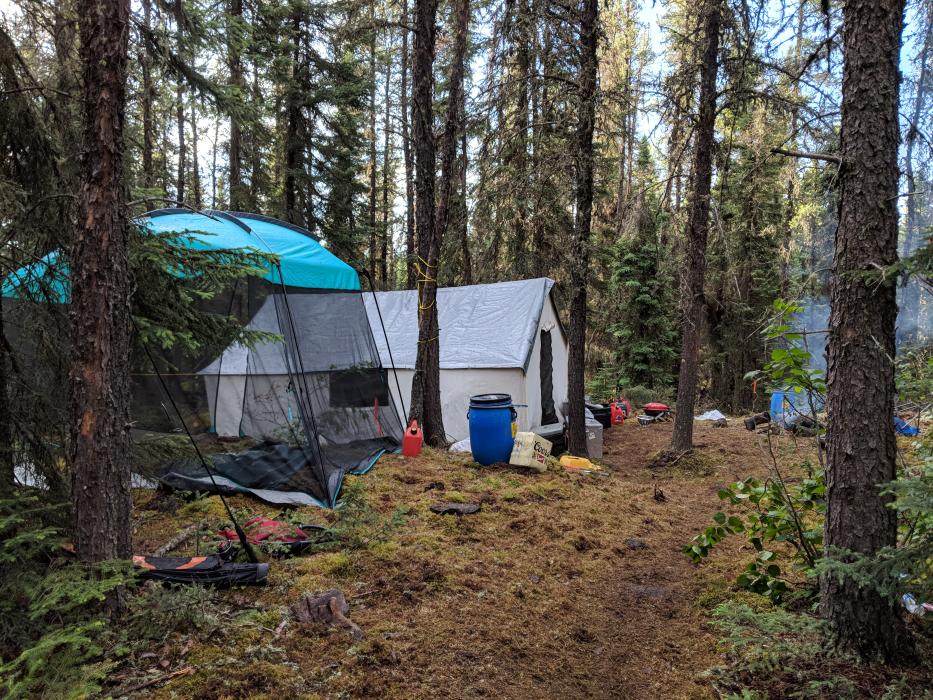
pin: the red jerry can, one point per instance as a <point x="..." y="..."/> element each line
<point x="617" y="414"/>
<point x="413" y="440"/>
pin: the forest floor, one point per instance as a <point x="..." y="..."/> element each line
<point x="562" y="586"/>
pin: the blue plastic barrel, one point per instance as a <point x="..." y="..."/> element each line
<point x="491" y="417"/>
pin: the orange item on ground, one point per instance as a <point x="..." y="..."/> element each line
<point x="413" y="440"/>
<point x="617" y="414"/>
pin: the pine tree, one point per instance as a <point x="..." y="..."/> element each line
<point x="100" y="324"/>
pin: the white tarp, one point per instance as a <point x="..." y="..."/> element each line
<point x="710" y="415"/>
<point x="489" y="326"/>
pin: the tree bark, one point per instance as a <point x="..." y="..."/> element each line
<point x="195" y="170"/>
<point x="697" y="228"/>
<point x="407" y="154"/>
<point x="7" y="474"/>
<point x="294" y="146"/>
<point x="145" y="64"/>
<point x="860" y="371"/>
<point x="586" y="106"/>
<point x="518" y="157"/>
<point x="100" y="310"/>
<point x="373" y="233"/>
<point x="180" y="106"/>
<point x="235" y="146"/>
<point x="467" y="261"/>
<point x="385" y="233"/>
<point x="426" y="391"/>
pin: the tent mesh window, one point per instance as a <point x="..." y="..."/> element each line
<point x="296" y="399"/>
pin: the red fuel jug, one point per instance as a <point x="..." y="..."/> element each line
<point x="617" y="414"/>
<point x="413" y="440"/>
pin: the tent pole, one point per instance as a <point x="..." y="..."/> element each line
<point x="385" y="335"/>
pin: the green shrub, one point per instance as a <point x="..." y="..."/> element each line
<point x="769" y="513"/>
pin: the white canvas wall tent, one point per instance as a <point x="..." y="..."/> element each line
<point x="494" y="338"/>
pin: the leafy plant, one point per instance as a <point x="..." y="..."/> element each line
<point x="771" y="512"/>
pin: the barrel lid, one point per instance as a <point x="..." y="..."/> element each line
<point x="491" y="399"/>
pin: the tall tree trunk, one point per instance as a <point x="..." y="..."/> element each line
<point x="467" y="261"/>
<point x="373" y="233"/>
<point x="426" y="390"/>
<point x="519" y="143"/>
<point x="214" y="164"/>
<point x="860" y="371"/>
<point x="180" y="106"/>
<point x="255" y="152"/>
<point x="195" y="169"/>
<point x="407" y="154"/>
<point x="100" y="309"/>
<point x="543" y="115"/>
<point x="145" y="64"/>
<point x="385" y="234"/>
<point x="790" y="197"/>
<point x="294" y="147"/>
<point x="579" y="272"/>
<point x="911" y="295"/>
<point x="697" y="228"/>
<point x="235" y="146"/>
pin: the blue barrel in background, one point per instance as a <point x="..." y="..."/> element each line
<point x="491" y="417"/>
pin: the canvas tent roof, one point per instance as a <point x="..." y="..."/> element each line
<point x="482" y="326"/>
<point x="303" y="261"/>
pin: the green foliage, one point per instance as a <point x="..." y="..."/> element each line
<point x="762" y="648"/>
<point x="789" y="364"/>
<point x="773" y="512"/>
<point x="908" y="567"/>
<point x="645" y="332"/>
<point x="173" y="283"/>
<point x="914" y="375"/>
<point x="55" y="626"/>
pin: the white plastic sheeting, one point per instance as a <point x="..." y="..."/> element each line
<point x="710" y="415"/>
<point x="489" y="326"/>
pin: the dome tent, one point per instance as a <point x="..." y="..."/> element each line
<point x="308" y="404"/>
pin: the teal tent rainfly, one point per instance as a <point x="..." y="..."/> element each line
<point x="303" y="261"/>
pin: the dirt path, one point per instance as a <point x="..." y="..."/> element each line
<point x="562" y="587"/>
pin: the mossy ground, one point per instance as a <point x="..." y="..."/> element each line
<point x="536" y="596"/>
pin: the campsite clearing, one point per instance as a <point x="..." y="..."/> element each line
<point x="537" y="595"/>
<point x="561" y="586"/>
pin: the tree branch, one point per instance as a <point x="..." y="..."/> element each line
<point x="829" y="157"/>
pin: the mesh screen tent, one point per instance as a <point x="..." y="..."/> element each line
<point x="284" y="417"/>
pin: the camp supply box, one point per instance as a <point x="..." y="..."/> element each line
<point x="602" y="413"/>
<point x="531" y="451"/>
<point x="553" y="433"/>
<point x="594" y="438"/>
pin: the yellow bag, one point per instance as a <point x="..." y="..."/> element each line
<point x="571" y="463"/>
